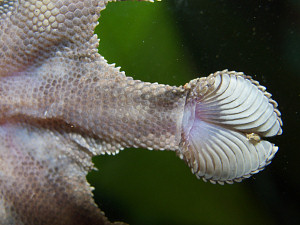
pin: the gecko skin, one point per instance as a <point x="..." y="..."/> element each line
<point x="61" y="103"/>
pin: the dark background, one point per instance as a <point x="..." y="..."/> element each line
<point x="173" y="42"/>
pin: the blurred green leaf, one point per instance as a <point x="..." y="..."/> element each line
<point x="142" y="187"/>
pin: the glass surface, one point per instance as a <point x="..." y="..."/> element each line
<point x="173" y="42"/>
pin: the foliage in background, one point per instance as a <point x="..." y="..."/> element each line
<point x="172" y="42"/>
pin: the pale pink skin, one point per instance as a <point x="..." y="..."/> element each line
<point x="61" y="104"/>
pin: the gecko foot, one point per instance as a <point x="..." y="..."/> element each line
<point x="226" y="116"/>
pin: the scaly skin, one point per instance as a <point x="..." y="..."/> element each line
<point x="61" y="103"/>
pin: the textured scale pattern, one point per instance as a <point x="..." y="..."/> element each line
<point x="217" y="153"/>
<point x="61" y="104"/>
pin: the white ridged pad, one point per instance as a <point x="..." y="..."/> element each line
<point x="225" y="117"/>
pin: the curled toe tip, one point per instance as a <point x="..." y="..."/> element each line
<point x="226" y="117"/>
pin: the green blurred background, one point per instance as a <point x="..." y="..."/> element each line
<point x="173" y="42"/>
